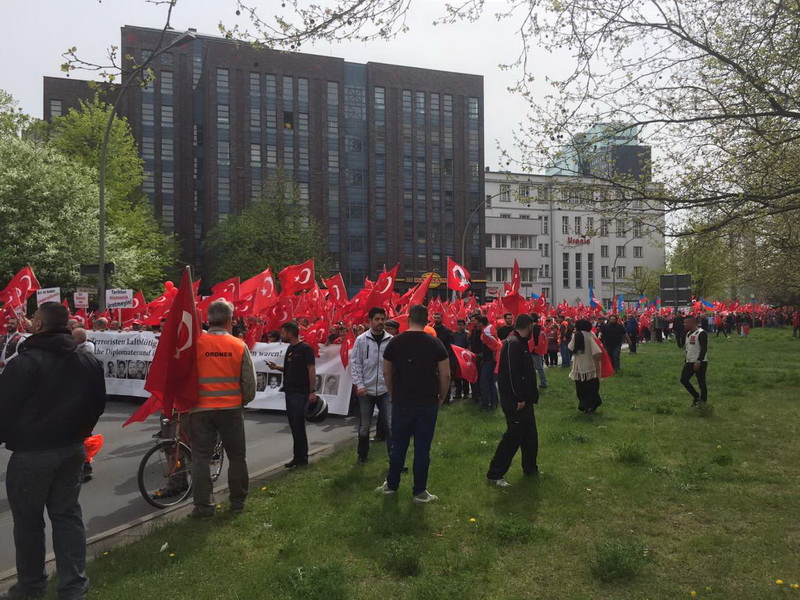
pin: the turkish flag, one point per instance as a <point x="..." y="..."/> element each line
<point x="382" y="291"/>
<point x="279" y="313"/>
<point x="21" y="287"/>
<point x="224" y="290"/>
<point x="173" y="375"/>
<point x="265" y="296"/>
<point x="347" y="345"/>
<point x="297" y="278"/>
<point x="466" y="364"/>
<point x="516" y="281"/>
<point x="244" y="306"/>
<point x="248" y="286"/>
<point x="337" y="292"/>
<point x="254" y="335"/>
<point x="138" y="309"/>
<point x="417" y="294"/>
<point x="457" y="276"/>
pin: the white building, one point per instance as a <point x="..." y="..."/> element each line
<point x="564" y="239"/>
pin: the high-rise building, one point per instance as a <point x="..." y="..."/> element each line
<point x="389" y="159"/>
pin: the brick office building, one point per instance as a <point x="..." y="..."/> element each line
<point x="389" y="159"/>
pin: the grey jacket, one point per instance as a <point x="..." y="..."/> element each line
<point x="366" y="363"/>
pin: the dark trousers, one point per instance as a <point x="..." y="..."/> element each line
<point x="488" y="386"/>
<point x="476" y="387"/>
<point x="686" y="377"/>
<point x="553" y="356"/>
<point x="229" y="424"/>
<point x="680" y="337"/>
<point x="462" y="388"/>
<point x="632" y="344"/>
<point x="295" y="412"/>
<point x="48" y="479"/>
<point x="418" y="422"/>
<point x="520" y="434"/>
<point x="367" y="404"/>
<point x="614" y="354"/>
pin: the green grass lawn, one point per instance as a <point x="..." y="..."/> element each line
<point x="646" y="499"/>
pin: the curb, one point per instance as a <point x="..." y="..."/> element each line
<point x="138" y="528"/>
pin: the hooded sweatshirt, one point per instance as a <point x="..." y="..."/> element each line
<point x="51" y="395"/>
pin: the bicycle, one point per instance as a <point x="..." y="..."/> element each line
<point x="165" y="472"/>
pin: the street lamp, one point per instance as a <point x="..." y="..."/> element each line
<point x="466" y="225"/>
<point x="184" y="38"/>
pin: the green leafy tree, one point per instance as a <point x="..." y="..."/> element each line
<point x="48" y="213"/>
<point x="12" y="120"/>
<point x="276" y="231"/>
<point x="710" y="259"/>
<point x="143" y="253"/>
<point x="644" y="281"/>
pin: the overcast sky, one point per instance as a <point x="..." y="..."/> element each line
<point x="38" y="31"/>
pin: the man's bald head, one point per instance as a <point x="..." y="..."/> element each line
<point x="79" y="335"/>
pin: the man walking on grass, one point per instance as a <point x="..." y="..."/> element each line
<point x="696" y="362"/>
<point x="416" y="368"/>
<point x="516" y="378"/>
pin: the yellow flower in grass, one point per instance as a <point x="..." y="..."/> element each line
<point x="264" y="488"/>
<point x="779" y="581"/>
<point x="172" y="555"/>
<point x="472" y="520"/>
<point x="795" y="586"/>
<point x="719" y="447"/>
<point x="693" y="594"/>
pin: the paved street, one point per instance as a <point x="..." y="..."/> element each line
<point x="112" y="498"/>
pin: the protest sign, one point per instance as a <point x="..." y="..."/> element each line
<point x="119" y="299"/>
<point x="48" y="295"/>
<point x="80" y="299"/>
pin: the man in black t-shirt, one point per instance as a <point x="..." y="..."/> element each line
<point x="299" y="384"/>
<point x="504" y="331"/>
<point x="613" y="335"/>
<point x="416" y="369"/>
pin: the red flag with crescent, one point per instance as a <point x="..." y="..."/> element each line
<point x="139" y="307"/>
<point x="279" y="313"/>
<point x="347" y="345"/>
<point x="337" y="292"/>
<point x="466" y="363"/>
<point x="265" y="294"/>
<point x="172" y="379"/>
<point x="21" y="287"/>
<point x="383" y="289"/>
<point x="457" y="276"/>
<point x="297" y="278"/>
<point x="516" y="280"/>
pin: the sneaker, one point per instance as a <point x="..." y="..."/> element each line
<point x="237" y="507"/>
<point x="424" y="498"/>
<point x="501" y="482"/>
<point x="295" y="463"/>
<point x="202" y="512"/>
<point x="385" y="489"/>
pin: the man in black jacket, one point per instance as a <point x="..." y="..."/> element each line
<point x="51" y="396"/>
<point x="516" y="378"/>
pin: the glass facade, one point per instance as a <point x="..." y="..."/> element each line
<point x="332" y="133"/>
<point x="356" y="169"/>
<point x="167" y="93"/>
<point x="255" y="136"/>
<point x="223" y="144"/>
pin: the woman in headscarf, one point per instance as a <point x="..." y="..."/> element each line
<point x="586" y="364"/>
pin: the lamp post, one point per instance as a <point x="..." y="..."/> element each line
<point x="466" y="225"/>
<point x="184" y="38"/>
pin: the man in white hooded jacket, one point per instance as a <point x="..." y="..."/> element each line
<point x="366" y="368"/>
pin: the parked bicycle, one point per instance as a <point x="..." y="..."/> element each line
<point x="165" y="473"/>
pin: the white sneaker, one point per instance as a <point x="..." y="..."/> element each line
<point x="499" y="482"/>
<point x="424" y="498"/>
<point x="385" y="489"/>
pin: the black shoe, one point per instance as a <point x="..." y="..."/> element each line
<point x="295" y="463"/>
<point x="14" y="593"/>
<point x="237" y="507"/>
<point x="534" y="473"/>
<point x="362" y="460"/>
<point x="695" y="402"/>
<point x="378" y="439"/>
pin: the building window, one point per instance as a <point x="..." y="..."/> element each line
<point x="620" y="228"/>
<point x="589" y="225"/>
<point x="638" y="252"/>
<point x="637" y="270"/>
<point x="577" y="226"/>
<point x="545" y="250"/>
<point x="500" y="241"/>
<point x="488" y="202"/>
<point x="521" y="216"/>
<point x="620" y="272"/>
<point x="565" y="270"/>
<point x="546" y="292"/>
<point x="505" y="192"/>
<point x="526" y="275"/>
<point x="56" y="109"/>
<point x="501" y="274"/>
<point x="637" y="228"/>
<point x="603" y="227"/>
<point x="505" y="215"/>
<point x="603" y="251"/>
<point x="578" y="270"/>
<point x="590" y="269"/>
<point x="620" y="251"/>
<point x="604" y="271"/>
<point x="565" y="225"/>
<point x="473" y="108"/>
<point x="545" y="225"/>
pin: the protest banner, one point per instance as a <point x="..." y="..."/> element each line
<point x="127" y="356"/>
<point x="119" y="299"/>
<point x="48" y="295"/>
<point x="334" y="383"/>
<point x="80" y="299"/>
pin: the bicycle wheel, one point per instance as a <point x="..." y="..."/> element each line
<point x="165" y="476"/>
<point x="217" y="459"/>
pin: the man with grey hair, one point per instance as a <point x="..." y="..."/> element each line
<point x="84" y="343"/>
<point x="227" y="382"/>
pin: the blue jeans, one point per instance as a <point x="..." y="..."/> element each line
<point x="488" y="388"/>
<point x="418" y="422"/>
<point x="367" y="405"/>
<point x="538" y="363"/>
<point x="49" y="479"/>
<point x="614" y="354"/>
<point x="566" y="357"/>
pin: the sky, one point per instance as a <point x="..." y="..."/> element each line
<point x="39" y="31"/>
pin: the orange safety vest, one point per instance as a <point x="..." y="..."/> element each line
<point x="219" y="370"/>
